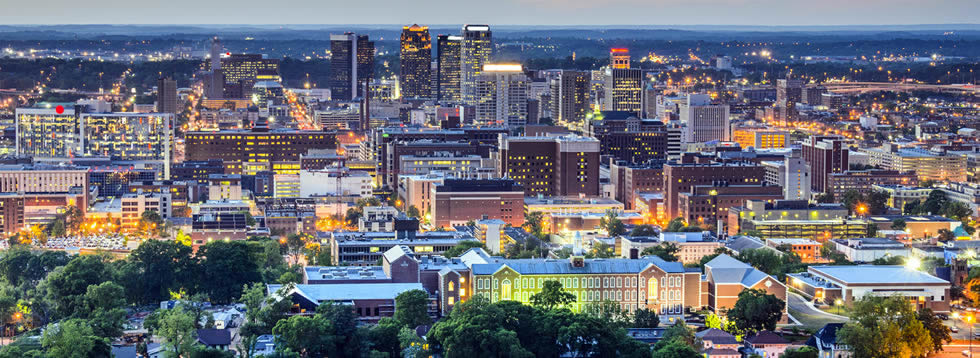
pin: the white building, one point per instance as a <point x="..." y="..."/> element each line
<point x="870" y="248"/>
<point x="461" y="167"/>
<point x="377" y="219"/>
<point x="705" y="122"/>
<point x="792" y="174"/>
<point x="416" y="190"/>
<point x="334" y="182"/>
<point x="501" y="95"/>
<point x="134" y="204"/>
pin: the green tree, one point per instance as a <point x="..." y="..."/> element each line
<point x="413" y="212"/>
<point x="679" y="332"/>
<point x="163" y="266"/>
<point x="666" y="251"/>
<point x="871" y="230"/>
<point x="755" y="310"/>
<point x="612" y="224"/>
<point x="384" y="337"/>
<point x="601" y="250"/>
<point x="552" y="295"/>
<point x="645" y="318"/>
<point x="73" y="338"/>
<point x="533" y="223"/>
<point x="412" y="308"/>
<point x="945" y="235"/>
<point x="802" y="352"/>
<point x="885" y="327"/>
<point x="66" y="286"/>
<point x="643" y="230"/>
<point x="104" y="309"/>
<point x="676" y="225"/>
<point x="305" y="335"/>
<point x="462" y="247"/>
<point x="178" y="329"/>
<point x="676" y="349"/>
<point x="151" y="223"/>
<point x="938" y="332"/>
<point x="225" y="267"/>
<point x="898" y="224"/>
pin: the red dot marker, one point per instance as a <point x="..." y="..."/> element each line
<point x="59" y="109"/>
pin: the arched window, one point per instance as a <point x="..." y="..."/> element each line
<point x="652" y="289"/>
<point x="505" y="289"/>
<point x="452" y="286"/>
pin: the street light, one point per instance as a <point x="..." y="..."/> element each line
<point x="969" y="322"/>
<point x="839" y="302"/>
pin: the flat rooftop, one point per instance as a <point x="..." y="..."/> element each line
<point x="345" y="273"/>
<point x="877" y="274"/>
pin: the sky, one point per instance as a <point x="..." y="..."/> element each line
<point x="498" y="12"/>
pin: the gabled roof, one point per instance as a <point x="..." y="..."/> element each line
<point x="716" y="336"/>
<point x="726" y="269"/>
<point x="826" y="337"/>
<point x="396" y="252"/>
<point x="214" y="337"/>
<point x="767" y="337"/>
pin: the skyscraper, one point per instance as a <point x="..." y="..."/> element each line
<point x="351" y="65"/>
<point x="704" y="121"/>
<point x="788" y="93"/>
<point x="447" y="79"/>
<point x="214" y="84"/>
<point x="570" y="96"/>
<point x="166" y="95"/>
<point x="501" y="95"/>
<point x="619" y="58"/>
<point x="475" y="51"/>
<point x="416" y="62"/>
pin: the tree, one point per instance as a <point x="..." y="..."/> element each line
<point x="534" y="223"/>
<point x="178" y="329"/>
<point x="885" y="327"/>
<point x="681" y="333"/>
<point x="676" y="349"/>
<point x="871" y="230"/>
<point x="413" y="212"/>
<point x="644" y="318"/>
<point x="462" y="247"/>
<point x="225" y="267"/>
<point x="643" y="230"/>
<point x="150" y="223"/>
<point x="412" y="308"/>
<point x="944" y="235"/>
<point x="666" y="251"/>
<point x="104" y="309"/>
<point x="802" y="352"/>
<point x="66" y="286"/>
<point x="938" y="332"/>
<point x="755" y="310"/>
<point x="675" y="225"/>
<point x="384" y="337"/>
<point x="73" y="338"/>
<point x="898" y="224"/>
<point x="161" y="265"/>
<point x="552" y="295"/>
<point x="305" y="335"/>
<point x="601" y="250"/>
<point x="889" y="260"/>
<point x="612" y="224"/>
<point x="183" y="238"/>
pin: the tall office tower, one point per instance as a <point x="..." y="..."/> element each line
<point x="619" y="58"/>
<point x="501" y="95"/>
<point x="215" y="81"/>
<point x="242" y="70"/>
<point x="788" y="93"/>
<point x="416" y="62"/>
<point x="650" y="95"/>
<point x="475" y="51"/>
<point x="351" y="65"/>
<point x="792" y="174"/>
<point x="704" y="121"/>
<point x="623" y="86"/>
<point x="826" y="155"/>
<point x="449" y="67"/>
<point x="166" y="95"/>
<point x="570" y="96"/>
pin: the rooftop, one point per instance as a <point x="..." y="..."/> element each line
<point x="350" y="291"/>
<point x="876" y="274"/>
<point x="559" y="267"/>
<point x="345" y="273"/>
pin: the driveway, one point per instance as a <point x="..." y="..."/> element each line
<point x="807" y="315"/>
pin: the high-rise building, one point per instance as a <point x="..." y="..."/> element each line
<point x="552" y="166"/>
<point x="789" y="92"/>
<point x="448" y="72"/>
<point x="826" y="155"/>
<point x="619" y="58"/>
<point x="43" y="133"/>
<point x="703" y="120"/>
<point x="475" y="51"/>
<point x="626" y="137"/>
<point x="248" y="152"/>
<point x="501" y="95"/>
<point x="241" y="71"/>
<point x="570" y="96"/>
<point x="416" y="61"/>
<point x="792" y="174"/>
<point x="623" y="89"/>
<point x="166" y="95"/>
<point x="214" y="84"/>
<point x="351" y="65"/>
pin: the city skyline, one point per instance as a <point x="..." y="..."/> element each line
<point x="511" y="12"/>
